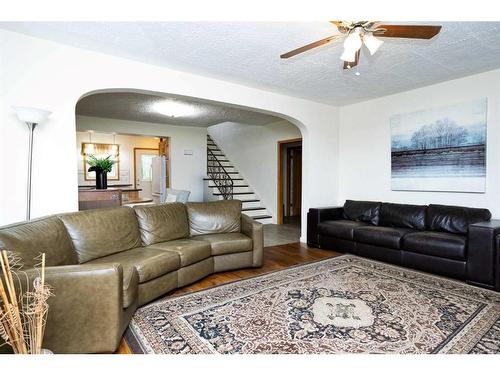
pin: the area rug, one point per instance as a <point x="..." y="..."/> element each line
<point x="344" y="304"/>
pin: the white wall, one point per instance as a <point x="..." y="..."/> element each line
<point x="53" y="76"/>
<point x="187" y="171"/>
<point x="253" y="151"/>
<point x="365" y="150"/>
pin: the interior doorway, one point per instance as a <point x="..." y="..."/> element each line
<point x="289" y="181"/>
<point x="143" y="171"/>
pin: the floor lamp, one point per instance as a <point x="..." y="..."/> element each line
<point x="31" y="117"/>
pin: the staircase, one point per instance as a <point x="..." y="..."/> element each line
<point x="225" y="182"/>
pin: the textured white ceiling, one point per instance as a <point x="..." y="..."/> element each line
<point x="248" y="53"/>
<point x="141" y="107"/>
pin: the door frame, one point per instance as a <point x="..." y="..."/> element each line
<point x="135" y="160"/>
<point x="279" y="218"/>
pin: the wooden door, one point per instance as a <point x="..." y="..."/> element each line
<point x="294" y="181"/>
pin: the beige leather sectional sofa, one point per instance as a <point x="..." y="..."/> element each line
<point x="105" y="263"/>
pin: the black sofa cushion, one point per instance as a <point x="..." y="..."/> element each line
<point x="403" y="215"/>
<point x="441" y="266"/>
<point x="378" y="252"/>
<point x="439" y="244"/>
<point x="454" y="219"/>
<point x="339" y="228"/>
<point x="381" y="236"/>
<point x="365" y="211"/>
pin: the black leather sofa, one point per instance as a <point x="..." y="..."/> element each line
<point x="453" y="241"/>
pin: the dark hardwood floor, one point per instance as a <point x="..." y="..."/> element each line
<point x="275" y="258"/>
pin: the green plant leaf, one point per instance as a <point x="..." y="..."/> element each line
<point x="105" y="164"/>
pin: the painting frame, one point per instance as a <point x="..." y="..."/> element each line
<point x="114" y="175"/>
<point x="440" y="149"/>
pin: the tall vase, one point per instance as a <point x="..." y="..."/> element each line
<point x="101" y="180"/>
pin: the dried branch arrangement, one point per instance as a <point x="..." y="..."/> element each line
<point x="23" y="314"/>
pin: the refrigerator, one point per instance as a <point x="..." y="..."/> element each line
<point x="159" y="179"/>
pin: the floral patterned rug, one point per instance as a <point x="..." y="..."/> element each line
<point x="344" y="304"/>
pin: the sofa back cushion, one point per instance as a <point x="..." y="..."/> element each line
<point x="403" y="215"/>
<point x="214" y="217"/>
<point x="454" y="219"/>
<point x="162" y="222"/>
<point x="362" y="211"/>
<point x="30" y="239"/>
<point x="97" y="233"/>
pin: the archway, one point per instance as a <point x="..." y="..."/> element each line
<point x="263" y="181"/>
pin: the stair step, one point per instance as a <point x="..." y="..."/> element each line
<point x="210" y="179"/>
<point x="243" y="193"/>
<point x="233" y="186"/>
<point x="213" y="149"/>
<point x="253" y="209"/>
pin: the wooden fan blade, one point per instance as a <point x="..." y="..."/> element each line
<point x="309" y="46"/>
<point x="336" y="23"/>
<point x="407" y="31"/>
<point x="350" y="65"/>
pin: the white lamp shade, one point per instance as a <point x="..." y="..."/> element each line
<point x="348" y="55"/>
<point x="372" y="43"/>
<point x="33" y="115"/>
<point x="353" y="41"/>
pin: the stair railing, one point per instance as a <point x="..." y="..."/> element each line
<point x="219" y="175"/>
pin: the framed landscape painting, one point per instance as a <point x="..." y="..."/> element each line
<point x="440" y="149"/>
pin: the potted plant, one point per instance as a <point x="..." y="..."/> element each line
<point x="101" y="167"/>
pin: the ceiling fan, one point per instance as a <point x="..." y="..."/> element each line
<point x="366" y="32"/>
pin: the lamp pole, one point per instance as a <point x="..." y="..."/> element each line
<point x="31" y="117"/>
<point x="31" y="127"/>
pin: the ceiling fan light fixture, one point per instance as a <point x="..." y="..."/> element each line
<point x="372" y="43"/>
<point x="348" y="55"/>
<point x="353" y="41"/>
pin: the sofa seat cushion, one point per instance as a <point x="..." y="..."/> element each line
<point x="149" y="263"/>
<point x="381" y="236"/>
<point x="190" y="251"/>
<point x="339" y="228"/>
<point x="227" y="243"/>
<point x="439" y="244"/>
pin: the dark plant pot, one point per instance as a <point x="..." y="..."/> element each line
<point x="101" y="180"/>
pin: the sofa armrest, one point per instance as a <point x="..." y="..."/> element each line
<point x="254" y="230"/>
<point x="316" y="216"/>
<point x="85" y="313"/>
<point x="483" y="255"/>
